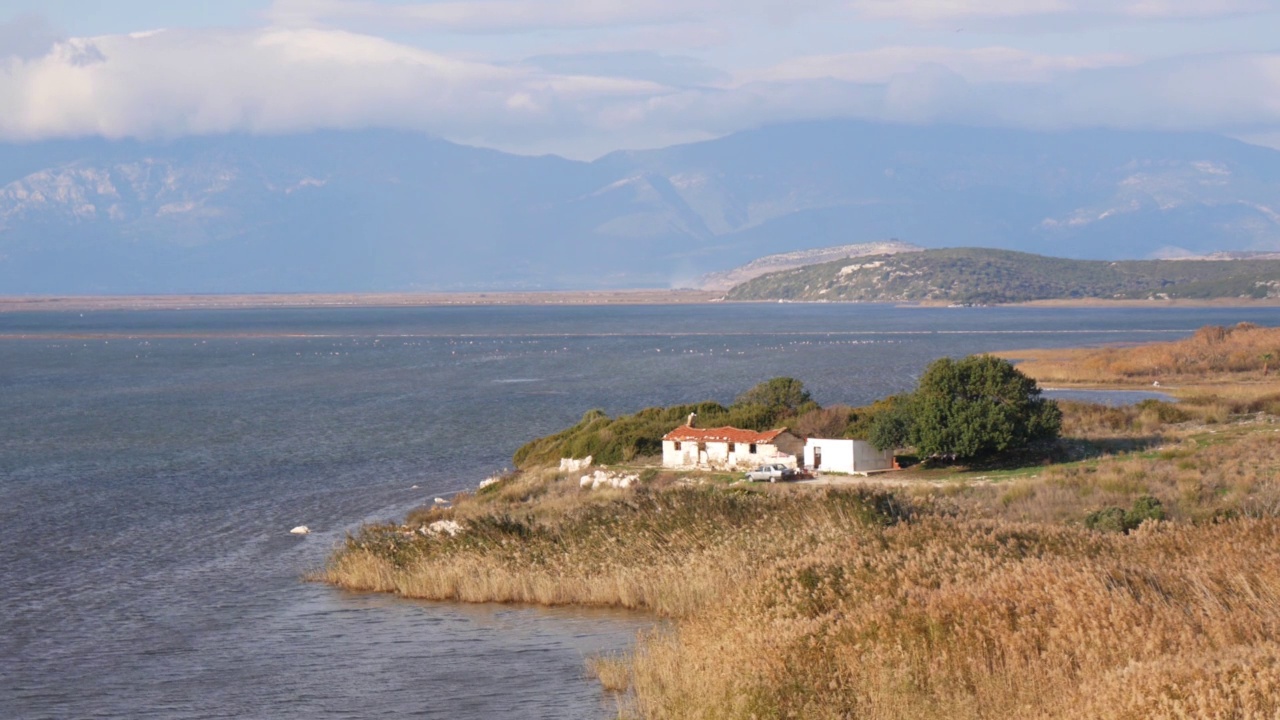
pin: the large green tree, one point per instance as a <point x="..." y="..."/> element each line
<point x="968" y="408"/>
<point x="784" y="395"/>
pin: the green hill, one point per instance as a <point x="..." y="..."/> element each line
<point x="982" y="276"/>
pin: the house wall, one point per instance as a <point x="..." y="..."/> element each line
<point x="716" y="455"/>
<point x="723" y="455"/>
<point x="837" y="455"/>
<point x="867" y="458"/>
<point x="788" y="444"/>
<point x="684" y="456"/>
<point x="847" y="456"/>
<point x="776" y="456"/>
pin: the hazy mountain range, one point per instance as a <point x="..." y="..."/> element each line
<point x="383" y="210"/>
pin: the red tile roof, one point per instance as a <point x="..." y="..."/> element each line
<point x="685" y="433"/>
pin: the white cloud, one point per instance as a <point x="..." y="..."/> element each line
<point x="476" y="16"/>
<point x="1232" y="94"/>
<point x="275" y="80"/>
<point x="671" y="70"/>
<point x="279" y="80"/>
<point x="933" y="11"/>
<point x="989" y="64"/>
<point x="497" y="16"/>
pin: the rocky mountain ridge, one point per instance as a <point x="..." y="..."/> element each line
<point x="393" y="211"/>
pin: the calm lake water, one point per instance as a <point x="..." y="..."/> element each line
<point x="152" y="463"/>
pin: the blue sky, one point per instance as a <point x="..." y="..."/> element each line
<point x="580" y="79"/>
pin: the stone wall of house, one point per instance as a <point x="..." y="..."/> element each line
<point x="723" y="455"/>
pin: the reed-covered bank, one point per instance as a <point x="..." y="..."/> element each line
<point x="1130" y="571"/>
<point x="668" y="550"/>
<point x="1239" y="355"/>
<point x="981" y="596"/>
<point x="949" y="618"/>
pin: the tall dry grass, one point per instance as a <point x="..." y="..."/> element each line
<point x="669" y="551"/>
<point x="947" y="618"/>
<point x="1212" y="353"/>
<point x="1227" y="473"/>
<point x="984" y="599"/>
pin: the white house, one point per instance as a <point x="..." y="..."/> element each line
<point x="854" y="457"/>
<point x="728" y="448"/>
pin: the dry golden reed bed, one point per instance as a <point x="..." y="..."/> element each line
<point x="977" y="600"/>
<point x="977" y="619"/>
<point x="955" y="593"/>
<point x="1238" y="354"/>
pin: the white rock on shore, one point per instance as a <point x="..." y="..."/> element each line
<point x="573" y="465"/>
<point x="442" y="527"/>
<point x="600" y="479"/>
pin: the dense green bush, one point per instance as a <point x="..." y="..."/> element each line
<point x="779" y="394"/>
<point x="1165" y="413"/>
<point x="1117" y="519"/>
<point x="974" y="407"/>
<point x="886" y="423"/>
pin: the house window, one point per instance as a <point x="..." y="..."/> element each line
<point x="733" y="447"/>
<point x="753" y="448"/>
<point x="677" y="444"/>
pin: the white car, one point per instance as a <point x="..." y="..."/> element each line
<point x="772" y="473"/>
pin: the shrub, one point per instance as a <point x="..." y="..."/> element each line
<point x="611" y="440"/>
<point x="862" y="419"/>
<point x="1116" y="519"/>
<point x="888" y="426"/>
<point x="1163" y="412"/>
<point x="615" y="440"/>
<point x="1110" y="519"/>
<point x="828" y="422"/>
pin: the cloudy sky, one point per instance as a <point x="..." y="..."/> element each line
<point x="581" y="78"/>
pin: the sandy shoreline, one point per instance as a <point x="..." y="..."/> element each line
<point x="332" y="300"/>
<point x="1177" y="303"/>
<point x="85" y="303"/>
<point x="1108" y="303"/>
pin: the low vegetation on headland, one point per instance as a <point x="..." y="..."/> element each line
<point x="1243" y="354"/>
<point x="776" y="402"/>
<point x="1128" y="569"/>
<point x="984" y="276"/>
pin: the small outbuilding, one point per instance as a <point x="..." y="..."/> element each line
<point x="852" y="457"/>
<point x="729" y="448"/>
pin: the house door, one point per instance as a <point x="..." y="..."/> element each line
<point x="817" y="458"/>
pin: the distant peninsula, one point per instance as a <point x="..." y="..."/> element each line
<point x="980" y="276"/>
